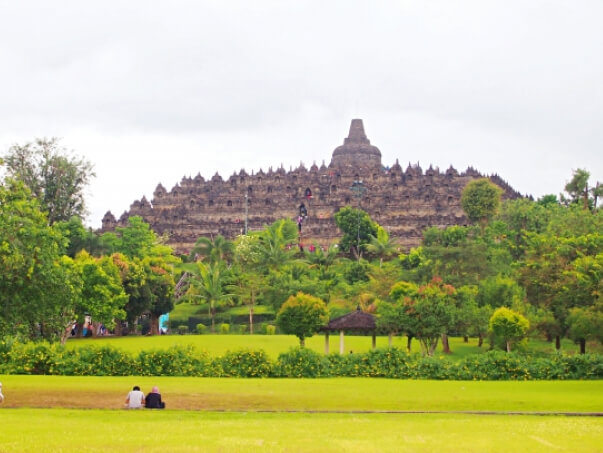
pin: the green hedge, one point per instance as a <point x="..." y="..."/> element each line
<point x="45" y="358"/>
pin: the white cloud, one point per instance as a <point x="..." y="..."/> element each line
<point x="153" y="91"/>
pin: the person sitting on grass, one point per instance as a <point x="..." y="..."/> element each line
<point x="135" y="399"/>
<point x="153" y="400"/>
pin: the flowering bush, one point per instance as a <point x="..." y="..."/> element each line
<point x="246" y="363"/>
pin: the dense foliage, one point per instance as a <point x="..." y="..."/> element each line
<point x="53" y="359"/>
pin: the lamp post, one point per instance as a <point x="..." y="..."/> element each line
<point x="358" y="189"/>
<point x="246" y="210"/>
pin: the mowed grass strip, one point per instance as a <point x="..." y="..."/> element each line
<point x="60" y="430"/>
<point x="333" y="394"/>
<point x="217" y="345"/>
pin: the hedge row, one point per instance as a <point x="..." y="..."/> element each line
<point x="44" y="358"/>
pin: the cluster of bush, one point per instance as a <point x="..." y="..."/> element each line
<point x="225" y="328"/>
<point x="53" y="359"/>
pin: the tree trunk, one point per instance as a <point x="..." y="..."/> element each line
<point x="302" y="342"/>
<point x="251" y="319"/>
<point x="582" y="346"/>
<point x="465" y="339"/>
<point x="445" y="345"/>
<point x="408" y="342"/>
<point x="212" y="312"/>
<point x="480" y="341"/>
<point x="154" y="324"/>
<point x="433" y="346"/>
<point x="557" y="342"/>
<point x="92" y="329"/>
<point x="508" y="346"/>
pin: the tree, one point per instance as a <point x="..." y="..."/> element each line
<point x="586" y="324"/>
<point x="480" y="201"/>
<point x="580" y="192"/>
<point x="432" y="312"/>
<point x="216" y="249"/>
<point x="357" y="228"/>
<point x="138" y="239"/>
<point x="35" y="284"/>
<point x="274" y="244"/>
<point x="508" y="326"/>
<point x="209" y="284"/>
<point x="302" y="315"/>
<point x="79" y="238"/>
<point x="161" y="284"/>
<point x="381" y="245"/>
<point x="103" y="297"/>
<point x="56" y="179"/>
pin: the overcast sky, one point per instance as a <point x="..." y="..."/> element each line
<point x="151" y="91"/>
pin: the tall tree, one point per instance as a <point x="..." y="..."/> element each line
<point x="103" y="297"/>
<point x="210" y="284"/>
<point x="54" y="177"/>
<point x="480" y="201"/>
<point x="580" y="192"/>
<point x="433" y="312"/>
<point x="357" y="228"/>
<point x="33" y="280"/>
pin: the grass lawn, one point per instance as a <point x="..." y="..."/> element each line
<point x="209" y="414"/>
<point x="217" y="345"/>
<point x="345" y="394"/>
<point x="67" y="430"/>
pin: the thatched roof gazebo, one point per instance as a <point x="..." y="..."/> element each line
<point x="355" y="321"/>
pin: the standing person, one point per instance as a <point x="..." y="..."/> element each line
<point x="1" y="395"/>
<point x="135" y="399"/>
<point x="153" y="400"/>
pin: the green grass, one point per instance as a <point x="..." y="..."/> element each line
<point x="217" y="345"/>
<point x="82" y="414"/>
<point x="359" y="394"/>
<point x="59" y="430"/>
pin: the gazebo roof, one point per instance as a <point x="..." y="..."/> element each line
<point x="357" y="320"/>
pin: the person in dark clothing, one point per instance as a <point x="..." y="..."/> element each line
<point x="153" y="400"/>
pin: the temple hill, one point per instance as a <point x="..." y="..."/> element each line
<point x="403" y="201"/>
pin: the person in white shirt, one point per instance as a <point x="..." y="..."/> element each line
<point x="135" y="399"/>
<point x="1" y="395"/>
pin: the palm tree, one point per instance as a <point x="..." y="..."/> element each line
<point x="209" y="283"/>
<point x="320" y="258"/>
<point x="275" y="244"/>
<point x="217" y="249"/>
<point x="381" y="245"/>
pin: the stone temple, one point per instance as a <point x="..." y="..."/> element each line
<point x="403" y="201"/>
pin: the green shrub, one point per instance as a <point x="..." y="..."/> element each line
<point x="301" y="362"/>
<point x="33" y="358"/>
<point x="242" y="328"/>
<point x="201" y="328"/>
<point x="182" y="330"/>
<point x="176" y="361"/>
<point x="246" y="363"/>
<point x="270" y="329"/>
<point x="389" y="363"/>
<point x="224" y="328"/>
<point x="493" y="365"/>
<point x="93" y="360"/>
